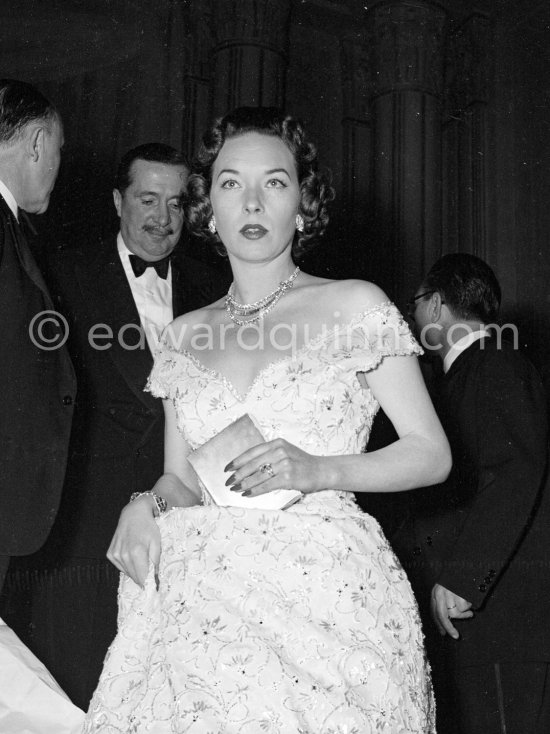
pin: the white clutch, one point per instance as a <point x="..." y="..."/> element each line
<point x="210" y="460"/>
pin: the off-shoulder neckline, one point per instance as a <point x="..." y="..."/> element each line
<point x="311" y="343"/>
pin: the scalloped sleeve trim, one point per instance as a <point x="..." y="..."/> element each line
<point x="378" y="333"/>
<point x="160" y="379"/>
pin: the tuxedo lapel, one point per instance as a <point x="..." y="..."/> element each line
<point x="23" y="252"/>
<point x="109" y="300"/>
<point x="30" y="267"/>
<point x="178" y="288"/>
<point x="194" y="284"/>
<point x="186" y="285"/>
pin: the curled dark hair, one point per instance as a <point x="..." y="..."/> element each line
<point x="468" y="286"/>
<point x="21" y="104"/>
<point x="316" y="191"/>
<point x="152" y="152"/>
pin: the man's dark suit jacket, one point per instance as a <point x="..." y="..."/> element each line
<point x="484" y="533"/>
<point x="118" y="433"/>
<point x="38" y="390"/>
<point x="61" y="601"/>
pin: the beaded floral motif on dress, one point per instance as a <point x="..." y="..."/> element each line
<point x="335" y="355"/>
<point x="289" y="622"/>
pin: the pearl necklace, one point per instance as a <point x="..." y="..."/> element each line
<point x="249" y="313"/>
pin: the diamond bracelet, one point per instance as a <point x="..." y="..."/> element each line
<point x="160" y="502"/>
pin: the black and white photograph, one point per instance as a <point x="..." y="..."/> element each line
<point x="274" y="306"/>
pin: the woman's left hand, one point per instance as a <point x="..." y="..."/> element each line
<point x="276" y="465"/>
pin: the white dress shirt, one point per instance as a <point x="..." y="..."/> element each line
<point x="460" y="345"/>
<point x="9" y="199"/>
<point x="152" y="295"/>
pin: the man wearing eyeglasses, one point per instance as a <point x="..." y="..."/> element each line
<point x="475" y="547"/>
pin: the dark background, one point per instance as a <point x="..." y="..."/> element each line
<point x="432" y="116"/>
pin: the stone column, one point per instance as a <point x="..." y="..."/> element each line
<point x="465" y="143"/>
<point x="406" y="65"/>
<point x="250" y="53"/>
<point x="197" y="76"/>
<point x="356" y="198"/>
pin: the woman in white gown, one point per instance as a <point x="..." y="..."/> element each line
<point x="278" y="621"/>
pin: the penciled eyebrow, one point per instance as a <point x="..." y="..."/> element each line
<point x="266" y="173"/>
<point x="277" y="170"/>
<point x="228" y="170"/>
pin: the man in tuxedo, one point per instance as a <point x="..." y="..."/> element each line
<point x="35" y="369"/>
<point x="476" y="547"/>
<point x="117" y="298"/>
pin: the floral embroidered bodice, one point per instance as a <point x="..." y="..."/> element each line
<point x="312" y="398"/>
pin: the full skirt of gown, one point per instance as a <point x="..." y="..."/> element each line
<point x="299" y="621"/>
<point x="267" y="622"/>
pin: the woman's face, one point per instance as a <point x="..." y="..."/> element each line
<point x="255" y="196"/>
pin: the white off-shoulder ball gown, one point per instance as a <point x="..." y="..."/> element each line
<point x="296" y="621"/>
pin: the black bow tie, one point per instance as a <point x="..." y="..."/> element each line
<point x="139" y="266"/>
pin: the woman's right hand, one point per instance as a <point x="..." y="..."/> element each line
<point x="136" y="542"/>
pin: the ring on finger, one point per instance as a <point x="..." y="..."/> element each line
<point x="267" y="469"/>
<point x="451" y="607"/>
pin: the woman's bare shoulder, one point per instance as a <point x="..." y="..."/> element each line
<point x="349" y="296"/>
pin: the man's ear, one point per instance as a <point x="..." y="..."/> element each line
<point x="33" y="142"/>
<point x="117" y="198"/>
<point x="436" y="304"/>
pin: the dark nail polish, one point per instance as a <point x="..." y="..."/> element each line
<point x="236" y="488"/>
<point x="229" y="467"/>
<point x="246" y="493"/>
<point x="230" y="480"/>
